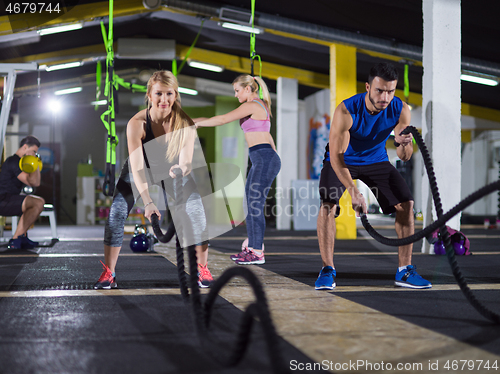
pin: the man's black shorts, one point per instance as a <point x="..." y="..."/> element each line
<point x="11" y="205"/>
<point x="382" y="178"/>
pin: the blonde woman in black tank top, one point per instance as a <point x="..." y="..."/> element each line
<point x="165" y="122"/>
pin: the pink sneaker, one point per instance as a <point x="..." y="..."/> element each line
<point x="251" y="258"/>
<point x="244" y="251"/>
<point x="205" y="278"/>
<point x="240" y="255"/>
<point x="107" y="280"/>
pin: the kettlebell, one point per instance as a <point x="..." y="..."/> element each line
<point x="139" y="243"/>
<point x="457" y="241"/>
<point x="139" y="229"/>
<point x="30" y="163"/>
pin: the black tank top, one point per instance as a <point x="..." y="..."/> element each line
<point x="149" y="131"/>
<point x="149" y="136"/>
<point x="154" y="155"/>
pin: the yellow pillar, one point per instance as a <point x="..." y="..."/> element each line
<point x="342" y="86"/>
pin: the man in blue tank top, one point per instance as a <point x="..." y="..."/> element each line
<point x="359" y="131"/>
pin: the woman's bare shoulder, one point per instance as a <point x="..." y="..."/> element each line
<point x="139" y="117"/>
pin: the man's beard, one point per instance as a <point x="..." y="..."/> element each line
<point x="374" y="104"/>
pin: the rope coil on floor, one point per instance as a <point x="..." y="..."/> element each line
<point x="440" y="224"/>
<point x="203" y="310"/>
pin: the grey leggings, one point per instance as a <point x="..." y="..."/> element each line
<point x="124" y="200"/>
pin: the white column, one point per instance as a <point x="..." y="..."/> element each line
<point x="287" y="142"/>
<point x="441" y="104"/>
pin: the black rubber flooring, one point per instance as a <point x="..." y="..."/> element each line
<point x="446" y="312"/>
<point x="156" y="333"/>
<point x="114" y="334"/>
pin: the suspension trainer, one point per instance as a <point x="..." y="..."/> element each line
<point x="176" y="71"/>
<point x="440" y="224"/>
<point x="108" y="117"/>
<point x="253" y="54"/>
<point x="203" y="310"/>
<point x="111" y="85"/>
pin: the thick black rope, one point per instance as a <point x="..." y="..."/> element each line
<point x="440" y="224"/>
<point x="203" y="311"/>
<point x="165" y="238"/>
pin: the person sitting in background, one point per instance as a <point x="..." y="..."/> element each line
<point x="12" y="180"/>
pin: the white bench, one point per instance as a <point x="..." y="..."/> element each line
<point x="48" y="211"/>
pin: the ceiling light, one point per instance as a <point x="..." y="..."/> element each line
<point x="188" y="91"/>
<point x="55" y="106"/>
<point x="204" y="66"/>
<point x="99" y="102"/>
<point x="62" y="66"/>
<point x="235" y="15"/>
<point x="68" y="91"/>
<point x="54" y="30"/>
<point x="235" y="26"/>
<point x="471" y="76"/>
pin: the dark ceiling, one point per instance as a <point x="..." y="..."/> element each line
<point x="398" y="22"/>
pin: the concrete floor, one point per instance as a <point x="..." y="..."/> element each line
<point x="53" y="321"/>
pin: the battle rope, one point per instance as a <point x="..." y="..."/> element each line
<point x="440" y="223"/>
<point x="203" y="310"/>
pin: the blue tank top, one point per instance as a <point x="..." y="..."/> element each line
<point x="369" y="133"/>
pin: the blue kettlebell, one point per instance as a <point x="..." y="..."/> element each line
<point x="139" y="243"/>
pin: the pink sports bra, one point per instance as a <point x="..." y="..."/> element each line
<point x="253" y="125"/>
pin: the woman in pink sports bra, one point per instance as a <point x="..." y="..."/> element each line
<point x="254" y="117"/>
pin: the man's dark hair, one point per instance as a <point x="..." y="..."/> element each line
<point x="30" y="141"/>
<point x="383" y="70"/>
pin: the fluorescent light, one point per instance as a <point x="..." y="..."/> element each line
<point x="188" y="91"/>
<point x="53" y="30"/>
<point x="235" y="26"/>
<point x="68" y="91"/>
<point x="100" y="102"/>
<point x="489" y="80"/>
<point x="62" y="66"/>
<point x="204" y="66"/>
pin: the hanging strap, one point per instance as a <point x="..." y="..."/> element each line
<point x="130" y="86"/>
<point x="98" y="80"/>
<point x="176" y="71"/>
<point x="108" y="117"/>
<point x="253" y="54"/>
<point x="407" y="84"/>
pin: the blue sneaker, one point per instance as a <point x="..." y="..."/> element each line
<point x="27" y="243"/>
<point x="409" y="278"/>
<point x="326" y="279"/>
<point x="16" y="243"/>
